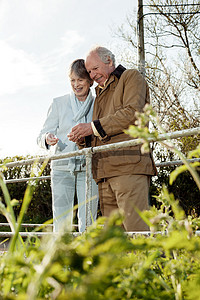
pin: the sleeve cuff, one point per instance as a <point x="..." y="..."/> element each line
<point x="94" y="130"/>
<point x="100" y="131"/>
<point x="46" y="145"/>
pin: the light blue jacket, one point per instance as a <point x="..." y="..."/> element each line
<point x="60" y="120"/>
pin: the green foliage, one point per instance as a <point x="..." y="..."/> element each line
<point x="105" y="262"/>
<point x="40" y="209"/>
<point x="181" y="122"/>
<point x="190" y="186"/>
<point x="184" y="189"/>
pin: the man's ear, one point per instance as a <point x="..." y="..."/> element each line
<point x="110" y="62"/>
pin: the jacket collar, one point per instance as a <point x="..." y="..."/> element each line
<point x="117" y="72"/>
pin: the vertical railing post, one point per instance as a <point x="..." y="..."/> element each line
<point x="88" y="196"/>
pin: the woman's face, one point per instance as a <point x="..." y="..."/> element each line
<point x="80" y="86"/>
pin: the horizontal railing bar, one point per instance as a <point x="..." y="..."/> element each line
<point x="27" y="179"/>
<point x="28" y="225"/>
<point x="197" y="232"/>
<point x="161" y="164"/>
<point x="161" y="137"/>
<point x="175" y="162"/>
<point x="34" y="225"/>
<point x="40" y="234"/>
<point x="23" y="234"/>
<point x="134" y="142"/>
<point x="26" y="161"/>
<point x="32" y="233"/>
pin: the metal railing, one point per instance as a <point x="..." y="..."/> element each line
<point x="159" y="165"/>
<point x="88" y="152"/>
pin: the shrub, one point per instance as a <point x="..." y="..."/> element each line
<point x="105" y="262"/>
<point x="40" y="209"/>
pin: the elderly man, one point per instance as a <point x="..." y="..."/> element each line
<point x="122" y="174"/>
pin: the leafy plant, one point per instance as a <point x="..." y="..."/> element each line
<point x="105" y="262"/>
<point x="40" y="208"/>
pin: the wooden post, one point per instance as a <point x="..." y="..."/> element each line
<point x="140" y="33"/>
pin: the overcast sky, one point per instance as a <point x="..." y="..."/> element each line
<point x="38" y="41"/>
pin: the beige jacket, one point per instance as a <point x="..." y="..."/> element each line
<point x="125" y="92"/>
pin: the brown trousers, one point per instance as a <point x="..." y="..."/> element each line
<point x="124" y="192"/>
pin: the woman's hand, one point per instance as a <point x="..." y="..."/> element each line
<point x="51" y="139"/>
<point x="79" y="132"/>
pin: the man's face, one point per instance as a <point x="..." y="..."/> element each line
<point x="98" y="70"/>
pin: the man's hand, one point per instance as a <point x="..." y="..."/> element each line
<point x="79" y="132"/>
<point x="51" y="139"/>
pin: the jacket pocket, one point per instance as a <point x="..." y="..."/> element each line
<point x="122" y="157"/>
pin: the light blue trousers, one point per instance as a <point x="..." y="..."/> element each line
<point x="64" y="185"/>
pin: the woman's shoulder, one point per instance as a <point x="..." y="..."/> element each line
<point x="62" y="99"/>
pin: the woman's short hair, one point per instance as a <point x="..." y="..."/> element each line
<point x="78" y="67"/>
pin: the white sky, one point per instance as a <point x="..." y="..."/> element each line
<point x="38" y="41"/>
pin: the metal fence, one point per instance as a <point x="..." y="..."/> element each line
<point x="88" y="152"/>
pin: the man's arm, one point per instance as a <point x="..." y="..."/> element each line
<point x="133" y="95"/>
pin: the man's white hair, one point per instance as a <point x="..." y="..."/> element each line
<point x="103" y="53"/>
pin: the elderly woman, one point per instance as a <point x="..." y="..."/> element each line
<point x="68" y="176"/>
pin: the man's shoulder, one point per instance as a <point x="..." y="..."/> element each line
<point x="131" y="73"/>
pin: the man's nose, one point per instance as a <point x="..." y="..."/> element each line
<point x="92" y="74"/>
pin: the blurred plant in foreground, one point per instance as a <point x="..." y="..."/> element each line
<point x="105" y="262"/>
